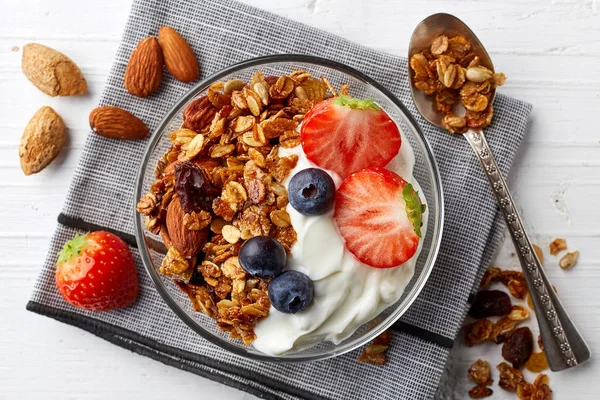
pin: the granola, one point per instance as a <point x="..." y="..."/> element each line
<point x="453" y="72"/>
<point x="224" y="169"/>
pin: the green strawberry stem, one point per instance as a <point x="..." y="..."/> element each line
<point x="414" y="208"/>
<point x="72" y="248"/>
<point x="347" y="101"/>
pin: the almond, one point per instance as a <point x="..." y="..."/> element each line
<point x="116" y="123"/>
<point x="42" y="140"/>
<point x="179" y="56"/>
<point x="144" y="70"/>
<point x="51" y="71"/>
<point x="187" y="242"/>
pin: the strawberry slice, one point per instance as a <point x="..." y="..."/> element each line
<point x="344" y="135"/>
<point x="379" y="216"/>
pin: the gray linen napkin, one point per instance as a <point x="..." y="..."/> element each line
<point x="223" y="32"/>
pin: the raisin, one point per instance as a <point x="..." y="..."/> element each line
<point x="490" y="303"/>
<point x="518" y="347"/>
<point x="193" y="187"/>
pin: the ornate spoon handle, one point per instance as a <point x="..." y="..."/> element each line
<point x="564" y="346"/>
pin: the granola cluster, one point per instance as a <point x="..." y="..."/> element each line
<point x="220" y="183"/>
<point x="517" y="343"/>
<point x="451" y="71"/>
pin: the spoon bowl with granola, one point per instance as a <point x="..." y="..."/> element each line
<point x="453" y="84"/>
<point x="288" y="208"/>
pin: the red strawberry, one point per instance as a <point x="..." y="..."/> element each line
<point x="379" y="216"/>
<point x="344" y="135"/>
<point x="96" y="272"/>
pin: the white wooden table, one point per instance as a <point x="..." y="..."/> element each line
<point x="549" y="51"/>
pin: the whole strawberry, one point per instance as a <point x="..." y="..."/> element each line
<point x="96" y="272"/>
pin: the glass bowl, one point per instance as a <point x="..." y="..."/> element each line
<point x="425" y="171"/>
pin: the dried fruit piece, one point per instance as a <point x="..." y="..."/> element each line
<point x="569" y="260"/>
<point x="479" y="372"/>
<point x="178" y="55"/>
<point x="193" y="187"/>
<point x="558" y="245"/>
<point x="480" y="391"/>
<point x="509" y="377"/>
<point x="116" y="123"/>
<point x="51" y="71"/>
<point x="542" y="392"/>
<point x="518" y="347"/>
<point x="144" y="69"/>
<point x="490" y="303"/>
<point x="42" y="140"/>
<point x="537" y="362"/>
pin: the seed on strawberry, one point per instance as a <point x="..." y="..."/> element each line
<point x="379" y="215"/>
<point x="96" y="272"/>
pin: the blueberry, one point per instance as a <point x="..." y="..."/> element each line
<point x="290" y="292"/>
<point x="262" y="256"/>
<point x="311" y="191"/>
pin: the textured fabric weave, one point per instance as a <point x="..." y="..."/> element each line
<point x="221" y="33"/>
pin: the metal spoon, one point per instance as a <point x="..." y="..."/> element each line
<point x="564" y="346"/>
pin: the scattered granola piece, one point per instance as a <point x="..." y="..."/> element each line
<point x="478" y="332"/>
<point x="479" y="372"/>
<point x="480" y="391"/>
<point x="569" y="260"/>
<point x="509" y="377"/>
<point x="492" y="274"/>
<point x="517" y="288"/>
<point x="525" y="390"/>
<point x="558" y="245"/>
<point x="375" y="352"/>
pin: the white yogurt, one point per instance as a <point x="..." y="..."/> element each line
<point x="348" y="293"/>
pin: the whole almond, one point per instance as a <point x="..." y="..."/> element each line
<point x="179" y="56"/>
<point x="116" y="123"/>
<point x="187" y="242"/>
<point x="144" y="69"/>
<point x="42" y="140"/>
<point x="51" y="71"/>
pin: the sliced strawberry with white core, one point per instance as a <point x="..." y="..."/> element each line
<point x="379" y="215"/>
<point x="344" y="135"/>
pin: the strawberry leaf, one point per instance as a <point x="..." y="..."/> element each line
<point x="72" y="248"/>
<point x="414" y="208"/>
<point x="351" y="102"/>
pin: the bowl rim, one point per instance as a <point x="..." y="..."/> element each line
<point x="159" y="284"/>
